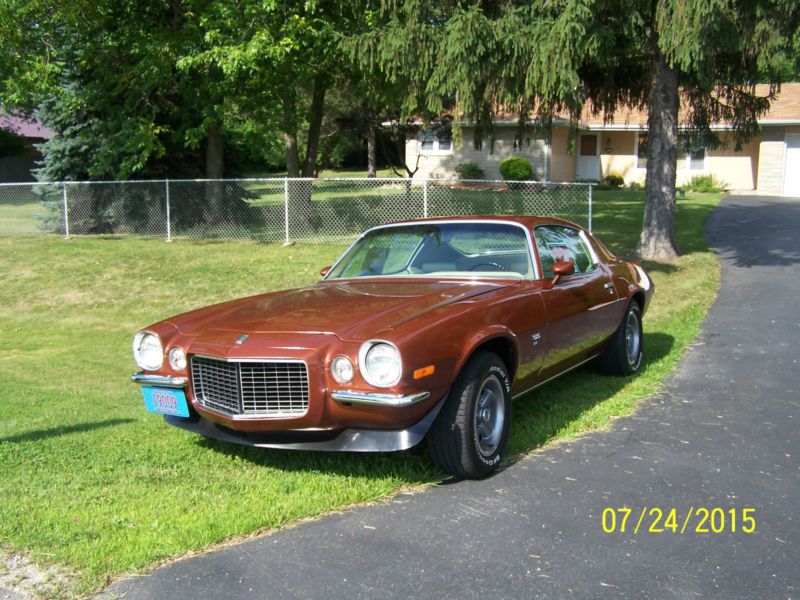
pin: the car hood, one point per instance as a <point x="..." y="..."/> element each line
<point x="350" y="310"/>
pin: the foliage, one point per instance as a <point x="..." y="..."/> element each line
<point x="470" y="170"/>
<point x="706" y="184"/>
<point x="516" y="168"/>
<point x="161" y="88"/>
<point x="548" y="59"/>
<point x="117" y="104"/>
<point x="635" y="186"/>
<point x="614" y="180"/>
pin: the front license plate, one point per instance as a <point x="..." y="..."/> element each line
<point x="165" y="401"/>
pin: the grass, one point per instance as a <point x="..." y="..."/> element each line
<point x="21" y="219"/>
<point x="93" y="482"/>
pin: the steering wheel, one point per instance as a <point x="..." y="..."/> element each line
<point x="488" y="263"/>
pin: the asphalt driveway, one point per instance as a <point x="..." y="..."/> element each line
<point x="723" y="433"/>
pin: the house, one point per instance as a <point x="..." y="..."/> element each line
<point x="18" y="138"/>
<point x="769" y="164"/>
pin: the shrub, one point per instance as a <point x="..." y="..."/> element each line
<point x="706" y="183"/>
<point x="516" y="169"/>
<point x="614" y="180"/>
<point x="470" y="170"/>
<point x="635" y="186"/>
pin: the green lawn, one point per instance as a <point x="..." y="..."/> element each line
<point x="93" y="482"/>
<point x="21" y="219"/>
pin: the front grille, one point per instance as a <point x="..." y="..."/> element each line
<point x="266" y="388"/>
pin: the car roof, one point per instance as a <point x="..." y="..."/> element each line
<point x="528" y="221"/>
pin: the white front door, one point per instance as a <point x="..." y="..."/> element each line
<point x="791" y="167"/>
<point x="588" y="160"/>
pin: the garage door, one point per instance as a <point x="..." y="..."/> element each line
<point x="791" y="169"/>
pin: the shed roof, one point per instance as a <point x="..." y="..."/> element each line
<point x="23" y="126"/>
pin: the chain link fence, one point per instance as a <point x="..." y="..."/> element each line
<point x="271" y="210"/>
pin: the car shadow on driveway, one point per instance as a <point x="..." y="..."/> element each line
<point x="539" y="416"/>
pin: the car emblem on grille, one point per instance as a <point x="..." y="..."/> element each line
<point x="240" y="340"/>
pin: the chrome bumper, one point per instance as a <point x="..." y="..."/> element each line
<point x="175" y="382"/>
<point x="379" y="399"/>
<point x="349" y="440"/>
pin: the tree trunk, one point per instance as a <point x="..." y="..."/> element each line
<point x="215" y="153"/>
<point x="372" y="159"/>
<point x="657" y="241"/>
<point x="290" y="133"/>
<point x="315" y="125"/>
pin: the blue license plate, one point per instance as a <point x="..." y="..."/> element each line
<point x="165" y="401"/>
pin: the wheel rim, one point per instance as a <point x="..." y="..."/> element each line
<point x="633" y="338"/>
<point x="490" y="413"/>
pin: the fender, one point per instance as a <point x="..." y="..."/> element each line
<point x="487" y="335"/>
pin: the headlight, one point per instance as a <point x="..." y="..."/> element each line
<point x="177" y="358"/>
<point x="342" y="369"/>
<point x="147" y="351"/>
<point x="380" y="363"/>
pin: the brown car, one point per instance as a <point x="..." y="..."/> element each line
<point x="421" y="328"/>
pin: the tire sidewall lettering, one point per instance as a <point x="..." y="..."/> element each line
<point x="501" y="374"/>
<point x="505" y="382"/>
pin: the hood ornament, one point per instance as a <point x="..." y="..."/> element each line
<point x="240" y="340"/>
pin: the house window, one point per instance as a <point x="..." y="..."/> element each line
<point x="695" y="151"/>
<point x="436" y="141"/>
<point x="642" y="148"/>
<point x="427" y="140"/>
<point x="445" y="140"/>
<point x="696" y="158"/>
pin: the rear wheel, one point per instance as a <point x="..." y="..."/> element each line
<point x="624" y="353"/>
<point x="470" y="435"/>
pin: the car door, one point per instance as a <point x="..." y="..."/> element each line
<point x="579" y="307"/>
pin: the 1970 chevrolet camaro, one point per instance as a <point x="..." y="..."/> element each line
<point x="421" y="328"/>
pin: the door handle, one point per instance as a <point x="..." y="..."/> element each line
<point x="609" y="286"/>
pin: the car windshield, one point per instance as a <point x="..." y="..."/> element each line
<point x="438" y="250"/>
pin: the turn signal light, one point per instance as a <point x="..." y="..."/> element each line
<point x="424" y="371"/>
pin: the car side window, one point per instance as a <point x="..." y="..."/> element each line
<point x="558" y="243"/>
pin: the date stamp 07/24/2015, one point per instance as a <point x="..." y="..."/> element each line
<point x="625" y="520"/>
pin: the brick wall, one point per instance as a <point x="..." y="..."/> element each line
<point x="770" y="161"/>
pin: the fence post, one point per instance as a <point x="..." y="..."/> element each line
<point x="286" y="241"/>
<point x="166" y="199"/>
<point x="66" y="209"/>
<point x="425" y="200"/>
<point x="590" y="208"/>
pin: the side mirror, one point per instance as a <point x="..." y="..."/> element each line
<point x="562" y="268"/>
<point x="325" y="271"/>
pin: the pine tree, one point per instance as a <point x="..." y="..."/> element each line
<point x="552" y="58"/>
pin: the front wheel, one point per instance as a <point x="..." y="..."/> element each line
<point x="625" y="351"/>
<point x="470" y="434"/>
